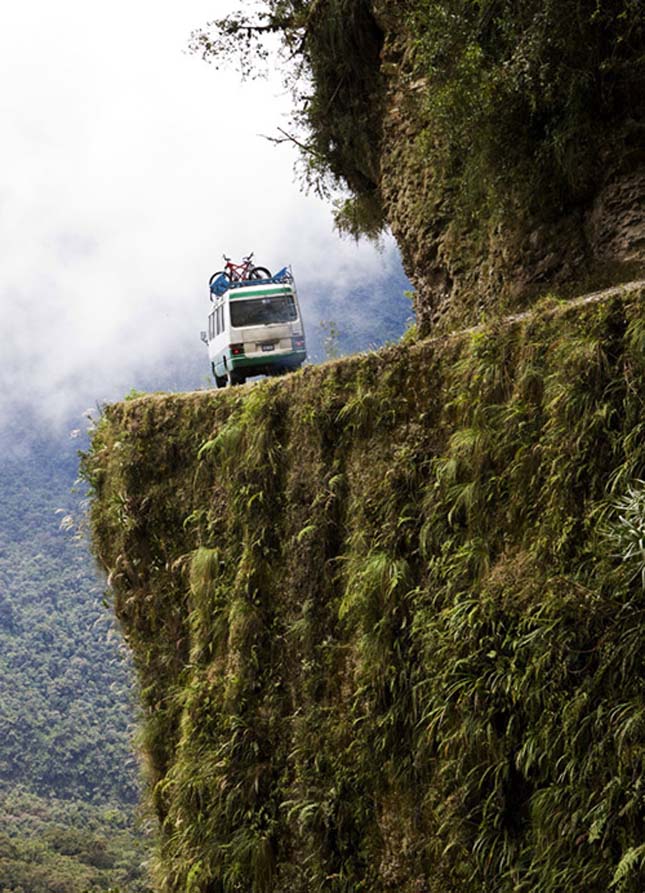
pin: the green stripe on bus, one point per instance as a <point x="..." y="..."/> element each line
<point x="251" y="294"/>
<point x="240" y="362"/>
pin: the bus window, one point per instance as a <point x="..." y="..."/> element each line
<point x="263" y="311"/>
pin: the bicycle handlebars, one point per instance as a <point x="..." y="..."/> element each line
<point x="247" y="258"/>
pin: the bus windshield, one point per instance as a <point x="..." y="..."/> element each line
<point x="263" y="311"/>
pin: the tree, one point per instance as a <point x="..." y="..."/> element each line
<point x="329" y="54"/>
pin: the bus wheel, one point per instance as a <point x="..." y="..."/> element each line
<point x="234" y="378"/>
<point x="220" y="380"/>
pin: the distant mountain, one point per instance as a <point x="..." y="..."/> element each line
<point x="363" y="319"/>
<point x="68" y="779"/>
<point x="65" y="718"/>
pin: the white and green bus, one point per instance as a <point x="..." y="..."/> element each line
<point x="254" y="328"/>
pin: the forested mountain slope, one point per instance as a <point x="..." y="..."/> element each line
<point x="68" y="780"/>
<point x="65" y="719"/>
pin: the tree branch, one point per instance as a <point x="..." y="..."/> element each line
<point x="289" y="138"/>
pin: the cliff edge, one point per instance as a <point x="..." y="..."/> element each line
<point x="388" y="613"/>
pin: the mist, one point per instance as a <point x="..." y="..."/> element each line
<point x="130" y="166"/>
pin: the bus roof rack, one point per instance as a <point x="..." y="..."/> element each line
<point x="222" y="284"/>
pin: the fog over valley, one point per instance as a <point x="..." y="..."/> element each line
<point x="129" y="167"/>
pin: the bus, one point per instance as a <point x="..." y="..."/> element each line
<point x="254" y="328"/>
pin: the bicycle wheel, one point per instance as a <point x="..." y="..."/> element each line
<point x="259" y="273"/>
<point x="215" y="275"/>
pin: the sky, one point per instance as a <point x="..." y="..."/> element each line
<point x="128" y="167"/>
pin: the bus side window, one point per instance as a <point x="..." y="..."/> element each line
<point x="211" y="324"/>
<point x="217" y="319"/>
<point x="220" y="318"/>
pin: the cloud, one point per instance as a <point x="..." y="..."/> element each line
<point x="129" y="167"/>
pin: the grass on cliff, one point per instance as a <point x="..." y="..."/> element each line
<point x="527" y="102"/>
<point x="389" y="614"/>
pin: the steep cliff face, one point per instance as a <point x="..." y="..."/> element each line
<point x="388" y="614"/>
<point x="502" y="142"/>
<point x="465" y="272"/>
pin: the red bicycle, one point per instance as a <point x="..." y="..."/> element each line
<point x="241" y="272"/>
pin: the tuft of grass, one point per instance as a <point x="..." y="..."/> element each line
<point x="626" y="532"/>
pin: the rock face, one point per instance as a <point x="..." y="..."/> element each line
<point x="615" y="225"/>
<point x="387" y="613"/>
<point x="459" y="283"/>
<point x="516" y="249"/>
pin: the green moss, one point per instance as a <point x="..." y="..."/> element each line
<point x="385" y="635"/>
<point x="526" y="101"/>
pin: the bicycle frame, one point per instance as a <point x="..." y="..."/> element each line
<point x="238" y="272"/>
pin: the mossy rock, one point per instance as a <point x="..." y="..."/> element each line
<point x="388" y="615"/>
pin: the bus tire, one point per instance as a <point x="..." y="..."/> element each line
<point x="259" y="273"/>
<point x="220" y="380"/>
<point x="234" y="378"/>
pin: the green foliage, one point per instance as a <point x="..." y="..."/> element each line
<point x="360" y="215"/>
<point x="331" y="338"/>
<point x="65" y="720"/>
<point x="331" y="58"/>
<point x="626" y="531"/>
<point x="61" y="846"/>
<point x="517" y="105"/>
<point x="134" y="394"/>
<point x="389" y="640"/>
<point x="527" y="101"/>
<point x="67" y="770"/>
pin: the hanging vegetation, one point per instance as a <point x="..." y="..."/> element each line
<point x="388" y="614"/>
